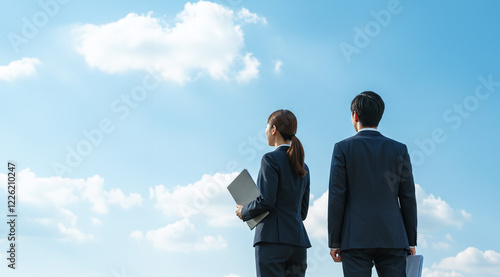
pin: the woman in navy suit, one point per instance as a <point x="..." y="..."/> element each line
<point x="280" y="239"/>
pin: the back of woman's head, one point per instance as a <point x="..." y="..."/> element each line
<point x="286" y="124"/>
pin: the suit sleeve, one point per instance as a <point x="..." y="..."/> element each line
<point x="305" y="197"/>
<point x="408" y="200"/>
<point x="336" y="197"/>
<point x="267" y="182"/>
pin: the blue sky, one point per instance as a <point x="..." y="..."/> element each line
<point x="127" y="120"/>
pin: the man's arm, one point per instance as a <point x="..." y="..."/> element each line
<point x="336" y="197"/>
<point x="267" y="182"/>
<point x="408" y="200"/>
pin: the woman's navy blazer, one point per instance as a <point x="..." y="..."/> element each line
<point x="286" y="197"/>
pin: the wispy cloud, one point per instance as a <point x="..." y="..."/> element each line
<point x="59" y="198"/>
<point x="277" y="66"/>
<point x="251" y="69"/>
<point x="17" y="69"/>
<point x="116" y="196"/>
<point x="95" y="221"/>
<point x="205" y="40"/>
<point x="247" y="16"/>
<point x="436" y="273"/>
<point x="73" y="234"/>
<point x="182" y="236"/>
<point x="208" y="197"/>
<point x="435" y="213"/>
<point x="137" y="234"/>
<point x="471" y="262"/>
<point x="58" y="192"/>
<point x="315" y="222"/>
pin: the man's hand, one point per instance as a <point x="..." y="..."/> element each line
<point x="238" y="211"/>
<point x="413" y="251"/>
<point x="335" y="253"/>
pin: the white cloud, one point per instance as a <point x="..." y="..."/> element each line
<point x="204" y="40"/>
<point x="472" y="262"/>
<point x="436" y="273"/>
<point x="136" y="235"/>
<point x="116" y="196"/>
<point x="232" y="275"/>
<point x="43" y="221"/>
<point x="73" y="234"/>
<point x="208" y="199"/>
<point x="94" y="193"/>
<point x="250" y="71"/>
<point x="316" y="221"/>
<point x="208" y="196"/>
<point x="245" y="15"/>
<point x="441" y="245"/>
<point x="435" y="213"/>
<point x="58" y="192"/>
<point x="182" y="236"/>
<point x="72" y="218"/>
<point x="56" y="195"/>
<point x="95" y="221"/>
<point x="435" y="240"/>
<point x="277" y="66"/>
<point x="20" y="68"/>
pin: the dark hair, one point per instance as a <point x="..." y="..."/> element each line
<point x="286" y="123"/>
<point x="369" y="106"/>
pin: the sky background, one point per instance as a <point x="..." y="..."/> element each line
<point x="127" y="120"/>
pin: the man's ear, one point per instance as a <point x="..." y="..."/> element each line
<point x="355" y="115"/>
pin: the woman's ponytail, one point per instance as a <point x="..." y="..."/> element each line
<point x="296" y="157"/>
<point x="286" y="123"/>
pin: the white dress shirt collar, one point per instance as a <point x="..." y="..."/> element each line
<point x="368" y="129"/>
<point x="284" y="144"/>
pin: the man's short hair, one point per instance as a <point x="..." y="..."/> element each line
<point x="370" y="107"/>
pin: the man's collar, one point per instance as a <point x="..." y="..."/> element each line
<point x="368" y="132"/>
<point x="368" y="129"/>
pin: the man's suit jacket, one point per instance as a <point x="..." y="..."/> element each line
<point x="372" y="194"/>
<point x="285" y="196"/>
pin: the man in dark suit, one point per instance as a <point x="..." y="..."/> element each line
<point x="372" y="211"/>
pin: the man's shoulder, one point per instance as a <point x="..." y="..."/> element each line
<point x="399" y="144"/>
<point x="347" y="140"/>
<point x="393" y="141"/>
<point x="368" y="136"/>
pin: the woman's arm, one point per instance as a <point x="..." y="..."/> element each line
<point x="267" y="182"/>
<point x="305" y="197"/>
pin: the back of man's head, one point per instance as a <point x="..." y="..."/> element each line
<point x="369" y="107"/>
